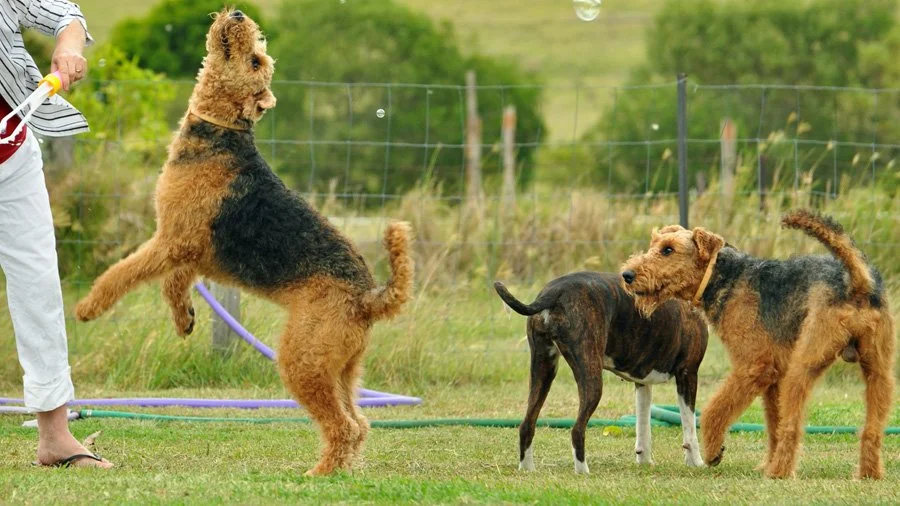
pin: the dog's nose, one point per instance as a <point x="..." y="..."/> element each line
<point x="628" y="276"/>
<point x="238" y="15"/>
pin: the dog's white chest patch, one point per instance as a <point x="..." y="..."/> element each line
<point x="654" y="378"/>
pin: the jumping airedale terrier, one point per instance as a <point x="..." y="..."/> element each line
<point x="783" y="322"/>
<point x="222" y="213"/>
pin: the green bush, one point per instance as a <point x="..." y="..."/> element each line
<point x="825" y="43"/>
<point x="379" y="41"/>
<point x="171" y="38"/>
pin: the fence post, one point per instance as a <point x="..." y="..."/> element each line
<point x="682" y="151"/>
<point x="473" y="142"/>
<point x="763" y="187"/>
<point x="728" y="146"/>
<point x="509" y="157"/>
<point x="223" y="337"/>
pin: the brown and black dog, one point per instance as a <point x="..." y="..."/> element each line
<point x="590" y="319"/>
<point x="783" y="323"/>
<point x="224" y="214"/>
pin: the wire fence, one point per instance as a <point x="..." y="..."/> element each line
<point x="365" y="153"/>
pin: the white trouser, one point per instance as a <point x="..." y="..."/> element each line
<point x="28" y="259"/>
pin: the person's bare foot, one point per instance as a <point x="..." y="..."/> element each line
<point x="56" y="443"/>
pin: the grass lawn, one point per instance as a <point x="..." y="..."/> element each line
<point x="198" y="463"/>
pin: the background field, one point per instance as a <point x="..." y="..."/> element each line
<point x="455" y="345"/>
<point x="543" y="35"/>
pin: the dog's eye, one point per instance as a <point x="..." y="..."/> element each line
<point x="255" y="62"/>
<point x="667" y="251"/>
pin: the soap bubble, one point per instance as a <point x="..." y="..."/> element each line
<point x="587" y="10"/>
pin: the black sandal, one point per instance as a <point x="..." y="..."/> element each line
<point x="67" y="462"/>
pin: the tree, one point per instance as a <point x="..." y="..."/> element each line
<point x="832" y="43"/>
<point x="421" y="132"/>
<point x="171" y="38"/>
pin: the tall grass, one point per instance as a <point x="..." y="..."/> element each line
<point x="455" y="330"/>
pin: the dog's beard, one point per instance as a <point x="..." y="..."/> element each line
<point x="647" y="304"/>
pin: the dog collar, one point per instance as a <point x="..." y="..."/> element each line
<point x="706" y="277"/>
<point x="210" y="119"/>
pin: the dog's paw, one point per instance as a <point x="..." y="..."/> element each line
<point x="184" y="322"/>
<point x="86" y="310"/>
<point x="717" y="458"/>
<point x="776" y="472"/>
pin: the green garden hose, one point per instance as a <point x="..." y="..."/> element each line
<point x="664" y="416"/>
<point x="670" y="415"/>
<point x="626" y="421"/>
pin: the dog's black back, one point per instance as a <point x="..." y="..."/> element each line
<point x="594" y="305"/>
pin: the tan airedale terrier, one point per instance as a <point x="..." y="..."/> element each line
<point x="224" y="214"/>
<point x="783" y="322"/>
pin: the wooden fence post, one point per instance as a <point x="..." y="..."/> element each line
<point x="223" y="338"/>
<point x="473" y="142"/>
<point x="509" y="158"/>
<point x="728" y="158"/>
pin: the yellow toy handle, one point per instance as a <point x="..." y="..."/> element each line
<point x="54" y="81"/>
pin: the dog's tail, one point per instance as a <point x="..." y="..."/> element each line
<point x="516" y="305"/>
<point x="832" y="235"/>
<point x="385" y="301"/>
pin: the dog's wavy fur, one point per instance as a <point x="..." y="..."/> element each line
<point x="222" y="213"/>
<point x="783" y="322"/>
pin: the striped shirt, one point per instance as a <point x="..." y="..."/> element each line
<point x="19" y="75"/>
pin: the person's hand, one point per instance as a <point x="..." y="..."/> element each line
<point x="68" y="57"/>
<point x="71" y="64"/>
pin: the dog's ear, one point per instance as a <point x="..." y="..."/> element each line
<point x="707" y="243"/>
<point x="267" y="100"/>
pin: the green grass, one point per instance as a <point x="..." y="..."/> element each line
<point x="579" y="61"/>
<point x="166" y="462"/>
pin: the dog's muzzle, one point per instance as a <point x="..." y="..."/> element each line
<point x="238" y="15"/>
<point x="628" y="276"/>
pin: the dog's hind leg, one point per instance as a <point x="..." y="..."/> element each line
<point x="643" y="397"/>
<point x="822" y="337"/>
<point x="176" y="290"/>
<point x="148" y="262"/>
<point x="876" y="359"/>
<point x="771" y="409"/>
<point x="348" y="385"/>
<point x="544" y="364"/>
<point x="316" y="347"/>
<point x="686" y="385"/>
<point x="586" y="363"/>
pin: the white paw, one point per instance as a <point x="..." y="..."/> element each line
<point x="527" y="462"/>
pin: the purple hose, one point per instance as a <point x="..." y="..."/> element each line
<point x="368" y="398"/>
<point x="234" y="324"/>
<point x="265" y="350"/>
<point x="222" y="403"/>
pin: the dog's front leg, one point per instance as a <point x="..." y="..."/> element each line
<point x="643" y="396"/>
<point x="686" y="385"/>
<point x="148" y="262"/>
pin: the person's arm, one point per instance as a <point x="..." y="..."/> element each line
<point x="55" y="19"/>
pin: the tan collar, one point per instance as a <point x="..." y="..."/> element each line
<point x="706" y="277"/>
<point x="210" y="119"/>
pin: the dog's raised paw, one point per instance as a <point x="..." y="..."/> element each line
<point x="84" y="311"/>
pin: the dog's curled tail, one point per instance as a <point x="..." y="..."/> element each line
<point x="832" y="235"/>
<point x="386" y="301"/>
<point x="515" y="304"/>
